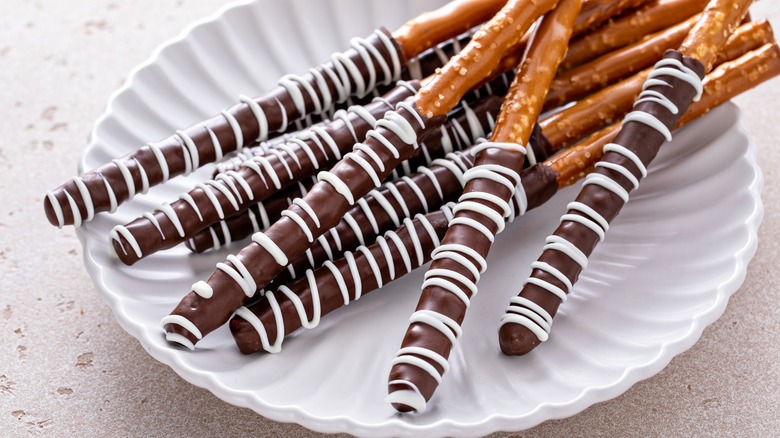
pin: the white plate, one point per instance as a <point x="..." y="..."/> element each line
<point x="666" y="270"/>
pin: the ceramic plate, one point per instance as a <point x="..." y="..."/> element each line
<point x="665" y="271"/>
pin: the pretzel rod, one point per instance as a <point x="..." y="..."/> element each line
<point x="613" y="102"/>
<point x="394" y="140"/>
<point x="594" y="12"/>
<point x="480" y="56"/>
<point x="451" y="279"/>
<point x="258" y="178"/>
<point x="582" y="80"/>
<point x="671" y="86"/>
<point x="456" y="17"/>
<point x="460" y="131"/>
<point x="651" y="17"/>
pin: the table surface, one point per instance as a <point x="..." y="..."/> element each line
<point x="67" y="368"/>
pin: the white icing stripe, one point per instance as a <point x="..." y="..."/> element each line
<point x="236" y="129"/>
<point x="269" y="245"/>
<point x="401" y="202"/>
<point x="649" y="120"/>
<point x="380" y="198"/>
<point x="520" y="312"/>
<point x="191" y="148"/>
<point x="388" y="256"/>
<point x="161" y="161"/>
<point x="55" y="205"/>
<point x="262" y="120"/>
<point x="301" y="223"/>
<point x="415" y="241"/>
<point x="483" y="210"/>
<point x="128" y="177"/>
<point x="355" y="273"/>
<point x="417" y="191"/>
<point x="546" y="267"/>
<point x="562" y="245"/>
<point x="679" y="71"/>
<point x="448" y="286"/>
<point x="607" y="183"/>
<point x="239" y="274"/>
<point x="410" y="397"/>
<point x="179" y="339"/>
<point x="401" y="248"/>
<point x="154" y="222"/>
<point x="124" y="232"/>
<point x="429" y="354"/>
<point x="338" y="185"/>
<point x="621" y="170"/>
<point x="443" y="323"/>
<point x="255" y="322"/>
<point x="212" y="198"/>
<point x="168" y="211"/>
<point x="524" y="320"/>
<point x="355" y="227"/>
<point x="590" y="212"/>
<point x="373" y="264"/>
<point x="471" y="252"/>
<point x="339" y="280"/>
<point x="656" y="97"/>
<point x="582" y="220"/>
<point x="467" y="221"/>
<point x="553" y="289"/>
<point x="368" y="214"/>
<point x="86" y="197"/>
<point x="458" y="258"/>
<point x="622" y="150"/>
<point x="183" y="322"/>
<point x="528" y="304"/>
<point x="472" y="287"/>
<point x="480" y="172"/>
<point x="74" y="208"/>
<point x="366" y="167"/>
<point x="429" y="173"/>
<point x="307" y="208"/>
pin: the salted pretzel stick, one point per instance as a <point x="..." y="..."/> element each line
<point x="674" y="82"/>
<point x="255" y="326"/>
<point x="451" y="280"/>
<point x="394" y="140"/>
<point x="613" y="102"/>
<point x="377" y="59"/>
<point x="463" y="128"/>
<point x="651" y="17"/>
<point x="607" y="69"/>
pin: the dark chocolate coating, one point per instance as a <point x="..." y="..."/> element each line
<point x="330" y="295"/>
<point x="641" y="139"/>
<point x="329" y="205"/>
<point x="277" y="104"/>
<point x="150" y="238"/>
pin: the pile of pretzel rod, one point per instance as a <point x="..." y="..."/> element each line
<point x="419" y="146"/>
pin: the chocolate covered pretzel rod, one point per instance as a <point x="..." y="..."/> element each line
<point x="479" y="215"/>
<point x="671" y="86"/>
<point x="651" y="17"/>
<point x="613" y="102"/>
<point x="257" y="179"/>
<point x="377" y="59"/>
<point x="394" y="139"/>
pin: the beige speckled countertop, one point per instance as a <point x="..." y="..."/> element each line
<point x="67" y="368"/>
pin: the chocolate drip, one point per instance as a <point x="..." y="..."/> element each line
<point x="296" y="96"/>
<point x="336" y="284"/>
<point x="665" y="99"/>
<point x="393" y="140"/>
<point x="258" y="178"/>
